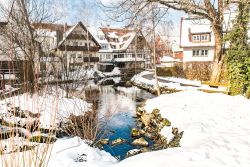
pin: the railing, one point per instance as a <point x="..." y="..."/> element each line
<point x="79" y="48"/>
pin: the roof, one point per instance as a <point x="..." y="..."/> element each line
<point x="69" y="31"/>
<point x="123" y="37"/>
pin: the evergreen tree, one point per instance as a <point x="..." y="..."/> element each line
<point x="238" y="55"/>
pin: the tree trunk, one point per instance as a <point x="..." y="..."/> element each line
<point x="218" y="56"/>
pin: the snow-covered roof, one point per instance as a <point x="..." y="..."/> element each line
<point x="123" y="38"/>
<point x="192" y="26"/>
<point x="100" y="38"/>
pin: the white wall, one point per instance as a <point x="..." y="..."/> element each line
<point x="188" y="54"/>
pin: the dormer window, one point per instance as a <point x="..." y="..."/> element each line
<point x="200" y="37"/>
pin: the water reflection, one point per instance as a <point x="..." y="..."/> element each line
<point x="116" y="107"/>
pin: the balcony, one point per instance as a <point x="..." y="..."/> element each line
<point x="78" y="48"/>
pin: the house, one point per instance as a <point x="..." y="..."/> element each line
<point x="196" y="40"/>
<point x="123" y="48"/>
<point x="197" y="37"/>
<point x="167" y="45"/>
<point x="73" y="45"/>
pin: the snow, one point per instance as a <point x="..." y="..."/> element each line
<point x="52" y="107"/>
<point x="115" y="72"/>
<point x="169" y="59"/>
<point x="66" y="151"/>
<point x="216" y="131"/>
<point x="173" y="83"/>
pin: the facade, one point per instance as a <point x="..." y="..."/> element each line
<point x="126" y="49"/>
<point x="74" y="45"/>
<point x="196" y="40"/>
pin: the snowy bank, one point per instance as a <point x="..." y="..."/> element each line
<point x="75" y="152"/>
<point x="146" y="80"/>
<point x="216" y="131"/>
<point x="52" y="108"/>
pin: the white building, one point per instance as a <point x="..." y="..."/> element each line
<point x="197" y="38"/>
<point x="123" y="48"/>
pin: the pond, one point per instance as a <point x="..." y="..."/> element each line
<point x="117" y="106"/>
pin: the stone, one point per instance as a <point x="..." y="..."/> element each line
<point x="175" y="141"/>
<point x="142" y="132"/>
<point x="166" y="122"/>
<point x="43" y="139"/>
<point x="156" y="112"/>
<point x="145" y="119"/>
<point x="118" y="141"/>
<point x="135" y="132"/>
<point x="81" y="158"/>
<point x="140" y="142"/>
<point x="144" y="149"/>
<point x="132" y="152"/>
<point x="139" y="111"/>
<point x="103" y="141"/>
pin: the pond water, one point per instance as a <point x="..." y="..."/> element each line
<point x="117" y="105"/>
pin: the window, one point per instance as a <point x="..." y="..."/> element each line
<point x="107" y="56"/>
<point x="200" y="37"/>
<point x="121" y="56"/>
<point x="75" y="43"/>
<point x="204" y="37"/>
<point x="200" y="53"/>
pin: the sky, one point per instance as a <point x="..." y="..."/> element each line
<point x="97" y="17"/>
<point x="90" y="12"/>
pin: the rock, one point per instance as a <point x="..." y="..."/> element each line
<point x="103" y="141"/>
<point x="139" y="111"/>
<point x="135" y="132"/>
<point x="144" y="149"/>
<point x="175" y="141"/>
<point x="156" y="124"/>
<point x="140" y="142"/>
<point x="145" y="119"/>
<point x="142" y="132"/>
<point x="99" y="145"/>
<point x="156" y="112"/>
<point x="118" y="141"/>
<point x="166" y="122"/>
<point x="43" y="139"/>
<point x="81" y="158"/>
<point x="132" y="152"/>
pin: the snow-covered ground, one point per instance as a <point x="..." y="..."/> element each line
<point x="53" y="108"/>
<point x="69" y="152"/>
<point x="216" y="133"/>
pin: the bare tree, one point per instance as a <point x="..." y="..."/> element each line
<point x="206" y="9"/>
<point x="23" y="42"/>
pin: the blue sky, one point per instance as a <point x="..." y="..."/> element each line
<point x="89" y="11"/>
